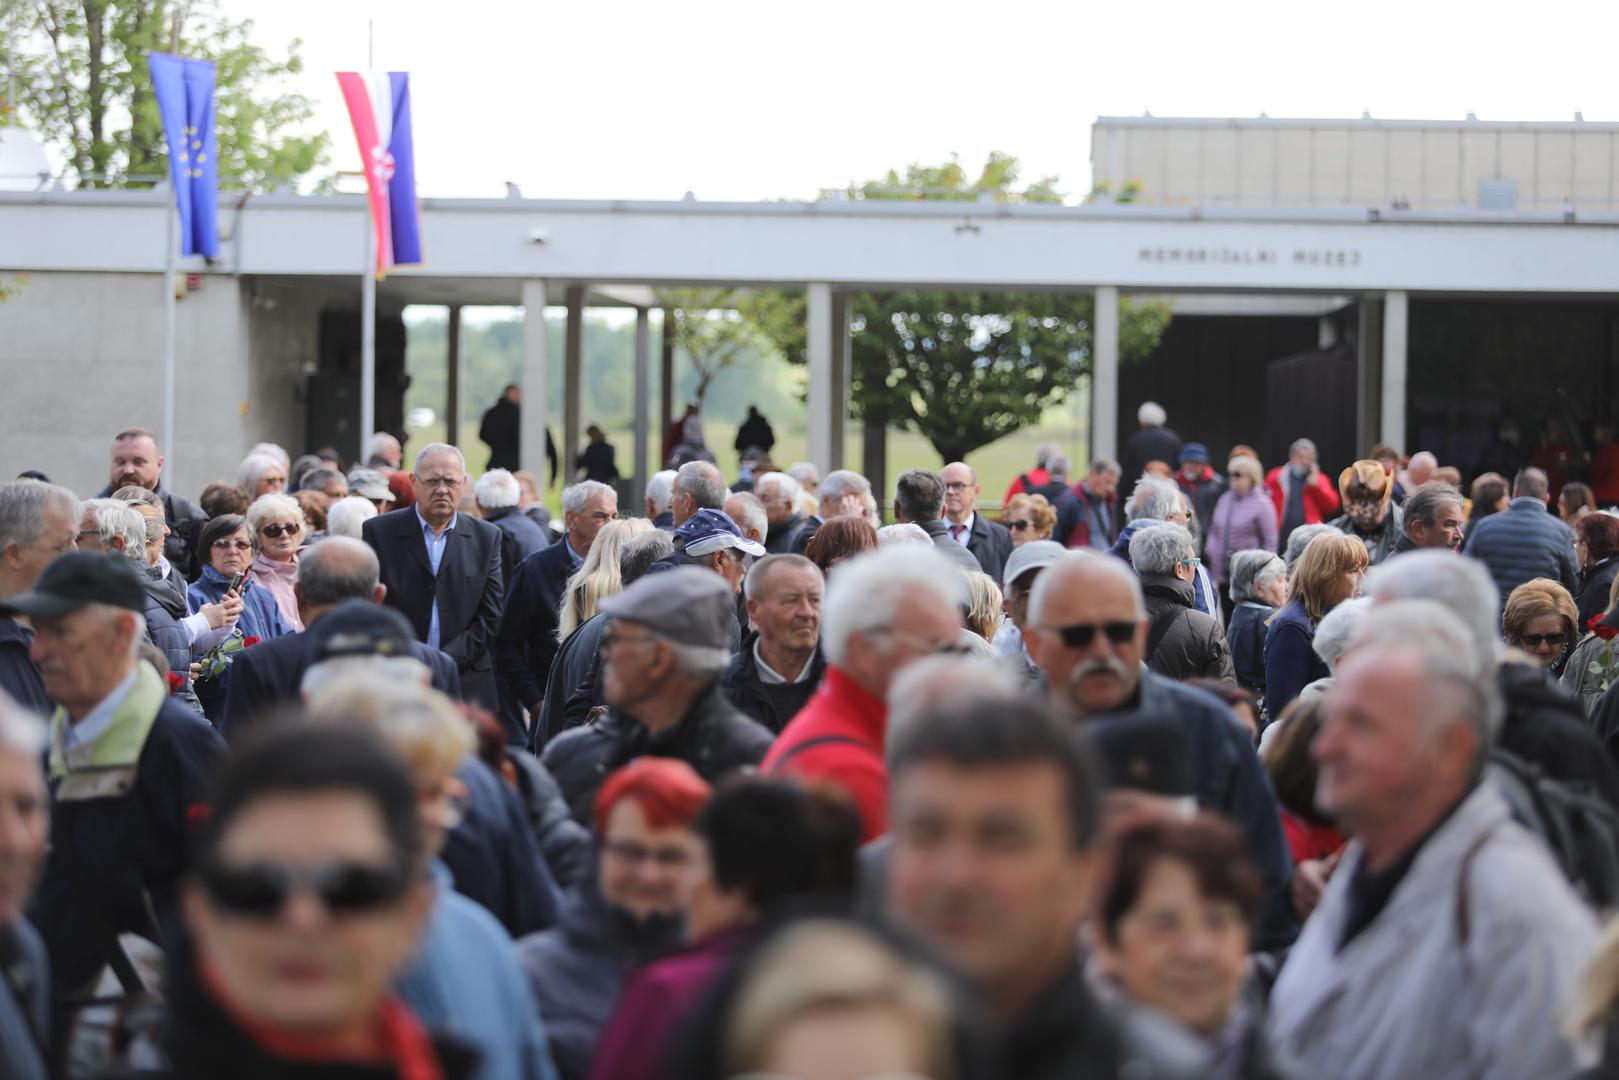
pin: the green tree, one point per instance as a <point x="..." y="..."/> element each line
<point x="83" y="85"/>
<point x="707" y="327"/>
<point x="962" y="369"/>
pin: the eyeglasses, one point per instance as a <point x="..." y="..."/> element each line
<point x="957" y="485"/>
<point x="225" y="543"/>
<point x="260" y="890"/>
<point x="1535" y="641"/>
<point x="274" y="532"/>
<point x="628" y="851"/>
<point x="1080" y="635"/>
<point x="439" y="481"/>
<point x="1193" y="561"/>
<point x="1019" y="526"/>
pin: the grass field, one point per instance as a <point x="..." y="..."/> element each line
<point x="996" y="463"/>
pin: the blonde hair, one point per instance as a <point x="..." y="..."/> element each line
<point x="154" y="529"/>
<point x="598" y="576"/>
<point x="981" y="610"/>
<point x="821" y="965"/>
<point x="420" y="723"/>
<point x="1531" y="600"/>
<point x="1327" y="558"/>
<point x="1243" y="465"/>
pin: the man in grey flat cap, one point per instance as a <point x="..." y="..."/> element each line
<point x="662" y="658"/>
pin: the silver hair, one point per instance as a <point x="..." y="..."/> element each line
<point x="336" y="569"/>
<point x="440" y="448"/>
<point x="1462" y="586"/>
<point x="347" y="516"/>
<point x="1154" y="497"/>
<point x="1423" y="504"/>
<point x="840" y="482"/>
<point x="1300" y="539"/>
<point x="805" y="473"/>
<point x="1252" y="570"/>
<point x="906" y="533"/>
<point x="753" y="585"/>
<point x="789" y="488"/>
<point x="704" y="483"/>
<point x="1058" y="465"/>
<point x="1301" y="444"/>
<point x="754" y="515"/>
<point x="1423" y="457"/>
<point x="1107" y="465"/>
<point x="22" y="510"/>
<point x="1336" y="629"/>
<point x="497" y="489"/>
<point x="1158" y="549"/>
<point x="275" y="450"/>
<point x="1045" y="452"/>
<point x="660" y="489"/>
<point x="1443" y="645"/>
<point x="21" y="731"/>
<point x="870" y="588"/>
<point x="576" y="497"/>
<point x="701" y="663"/>
<point x="273" y="507"/>
<point x="1151" y="414"/>
<point x="375" y="443"/>
<point x="375" y="670"/>
<point x="253" y="467"/>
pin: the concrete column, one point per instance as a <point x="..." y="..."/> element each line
<point x="643" y="390"/>
<point x="1395" y="321"/>
<point x="822" y="389"/>
<point x="532" y="446"/>
<point x="840" y="381"/>
<point x="666" y="382"/>
<point x="1368" y="371"/>
<point x="1105" y="374"/>
<point x="452" y="377"/>
<point x="573" y="367"/>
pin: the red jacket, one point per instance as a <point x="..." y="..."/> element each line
<point x="1036" y="476"/>
<point x="849" y="727"/>
<point x="1320" y="496"/>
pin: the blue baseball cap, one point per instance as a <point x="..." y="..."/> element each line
<point x="708" y="531"/>
<point x="1195" y="452"/>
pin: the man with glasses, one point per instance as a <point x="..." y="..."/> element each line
<point x="987" y="541"/>
<point x="1182" y="642"/>
<point x="527" y="642"/>
<point x="442" y="570"/>
<point x="884" y="611"/>
<point x="1087" y="632"/>
<point x="919" y="499"/>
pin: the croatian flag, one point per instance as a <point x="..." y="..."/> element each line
<point x="379" y="106"/>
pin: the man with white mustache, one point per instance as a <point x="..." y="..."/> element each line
<point x="1087" y="633"/>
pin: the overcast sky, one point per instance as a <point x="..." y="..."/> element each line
<point x="766" y="99"/>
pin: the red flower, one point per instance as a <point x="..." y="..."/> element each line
<point x="249" y="641"/>
<point x="177" y="682"/>
<point x="197" y="815"/>
<point x="1606" y="633"/>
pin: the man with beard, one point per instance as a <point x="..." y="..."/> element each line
<point x="137" y="462"/>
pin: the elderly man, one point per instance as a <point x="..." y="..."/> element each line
<point x="660" y="490"/>
<point x="1088" y="514"/>
<point x="1087" y="633"/>
<point x="1433" y="518"/>
<point x="750" y="515"/>
<point x="664" y="654"/>
<point x="498" y="495"/>
<point x="137" y="462"/>
<point x="919" y="500"/>
<point x="774" y="674"/>
<point x="25" y="984"/>
<point x="382" y="451"/>
<point x="1022" y="569"/>
<point x="1154" y="502"/>
<point x="779" y="493"/>
<point x="712" y="541"/>
<point x="527" y="642"/>
<point x="1525" y="542"/>
<point x="329" y="482"/>
<point x="1038" y="479"/>
<point x="38" y="522"/>
<point x="330" y="573"/>
<point x="987" y="541"/>
<point x="1182" y="642"/>
<point x="886" y="610"/>
<point x="1419" y="470"/>
<point x="808" y="477"/>
<point x="371" y="485"/>
<point x="129" y="768"/>
<point x="699" y="485"/>
<point x="1370" y="513"/>
<point x="430" y="544"/>
<point x="1442" y="910"/>
<point x="1154" y="442"/>
<point x="1302" y="494"/>
<point x="843" y="493"/>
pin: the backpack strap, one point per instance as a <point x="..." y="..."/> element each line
<point x="1463" y="922"/>
<point x="810" y="744"/>
<point x="1160" y="630"/>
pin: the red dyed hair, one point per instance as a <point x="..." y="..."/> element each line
<point x="668" y="791"/>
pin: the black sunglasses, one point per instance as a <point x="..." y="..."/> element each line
<point x="260" y="890"/>
<point x="1080" y="635"/>
<point x="1019" y="524"/>
<point x="1535" y="641"/>
<point x="291" y="528"/>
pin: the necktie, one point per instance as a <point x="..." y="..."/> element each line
<point x="956" y="531"/>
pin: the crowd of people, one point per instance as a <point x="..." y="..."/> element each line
<point x="1156" y="769"/>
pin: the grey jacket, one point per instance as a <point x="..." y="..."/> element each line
<point x="1411" y="995"/>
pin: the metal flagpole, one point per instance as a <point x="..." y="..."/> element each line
<point x="169" y="450"/>
<point x="368" y="292"/>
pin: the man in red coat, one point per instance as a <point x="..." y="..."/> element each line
<point x="1303" y="496"/>
<point x="883" y="611"/>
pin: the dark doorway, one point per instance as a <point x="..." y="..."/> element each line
<point x="333" y="400"/>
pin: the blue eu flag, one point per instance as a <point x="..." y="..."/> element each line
<point x="185" y="100"/>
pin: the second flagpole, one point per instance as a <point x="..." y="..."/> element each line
<point x="368" y="298"/>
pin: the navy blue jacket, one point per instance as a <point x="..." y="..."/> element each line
<point x="1290" y="660"/>
<point x="520" y="537"/>
<point x="527" y="641"/>
<point x="1246" y="635"/>
<point x="495" y="857"/>
<point x="1522" y="543"/>
<point x="19" y="677"/>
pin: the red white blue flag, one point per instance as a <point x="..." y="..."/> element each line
<point x="379" y="106"/>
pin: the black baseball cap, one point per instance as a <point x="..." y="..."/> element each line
<point x="360" y="628"/>
<point x="77" y="579"/>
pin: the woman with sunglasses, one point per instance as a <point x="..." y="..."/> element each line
<point x="225" y="545"/>
<point x="1028" y="517"/>
<point x="277" y="522"/>
<point x="1541" y="620"/>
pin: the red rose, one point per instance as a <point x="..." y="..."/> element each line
<point x="249" y="641"/>
<point x="197" y="815"/>
<point x="177" y="682"/>
<point x="1606" y="633"/>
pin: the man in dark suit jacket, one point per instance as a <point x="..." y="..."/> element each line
<point x="919" y="500"/>
<point x="442" y="569"/>
<point x="987" y="540"/>
<point x="527" y="640"/>
<point x="268" y="675"/>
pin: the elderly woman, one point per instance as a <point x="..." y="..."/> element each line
<point x="981" y="611"/>
<point x="838" y="539"/>
<point x="226" y="545"/>
<point x="278" y="528"/>
<point x="1329" y="572"/>
<point x="261" y="474"/>
<point x="1596" y="542"/>
<point x="1369" y="511"/>
<point x="598" y="575"/>
<point x="1587" y="673"/>
<point x="1244" y="519"/>
<point x="348" y="515"/>
<point x="1258" y="589"/>
<point x="1028" y="517"/>
<point x="169" y="623"/>
<point x="1174" y="932"/>
<point x="1541" y="620"/>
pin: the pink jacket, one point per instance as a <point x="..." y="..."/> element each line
<point x="1239" y="523"/>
